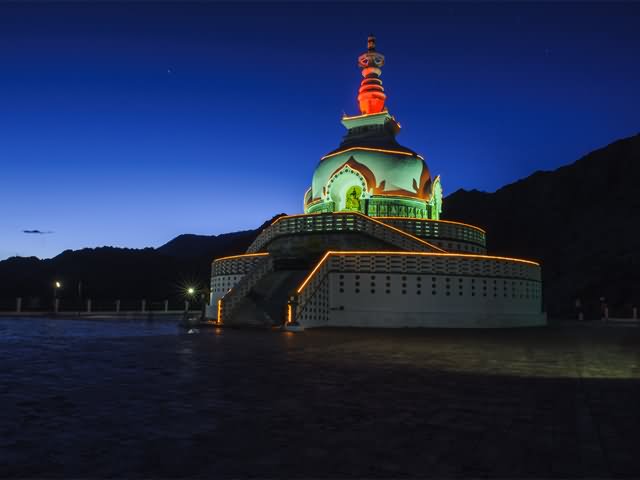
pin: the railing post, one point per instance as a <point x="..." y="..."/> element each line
<point x="143" y="306"/>
<point x="606" y="314"/>
<point x="634" y="313"/>
<point x="56" y="305"/>
<point x="219" y="312"/>
<point x="88" y="305"/>
<point x="292" y="307"/>
<point x="166" y="306"/>
<point x="18" y="305"/>
<point x="186" y="305"/>
<point x="117" y="306"/>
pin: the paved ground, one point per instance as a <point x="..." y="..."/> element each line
<point x="555" y="402"/>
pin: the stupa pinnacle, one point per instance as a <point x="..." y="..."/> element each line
<point x="371" y="95"/>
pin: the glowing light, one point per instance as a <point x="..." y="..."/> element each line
<point x="381" y="150"/>
<point x="219" y="319"/>
<point x="365" y="115"/>
<point x="191" y="290"/>
<point x="401" y="231"/>
<point x="417" y="254"/>
<point x="58" y="285"/>
<point x="307" y="193"/>
<point x="313" y="272"/>
<point x="392" y="195"/>
<point x="289" y="314"/>
<point x="262" y="254"/>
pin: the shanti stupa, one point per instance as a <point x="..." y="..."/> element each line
<point x="370" y="249"/>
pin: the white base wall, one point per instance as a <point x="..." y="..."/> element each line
<point x="220" y="285"/>
<point x="384" y="299"/>
<point x="377" y="319"/>
<point x="211" y="311"/>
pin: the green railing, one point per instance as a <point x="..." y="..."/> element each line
<point x="340" y="222"/>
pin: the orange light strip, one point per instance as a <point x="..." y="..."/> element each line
<point x="243" y="255"/>
<point x="365" y="115"/>
<point x="289" y="314"/>
<point x="398" y="195"/>
<point x="301" y="215"/>
<point x="219" y="319"/>
<point x="397" y="152"/>
<point x="420" y="254"/>
<point x="400" y="231"/>
<point x="432" y="220"/>
<point x="304" y="197"/>
<point x="313" y="272"/>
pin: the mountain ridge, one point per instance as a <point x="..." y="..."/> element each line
<point x="579" y="220"/>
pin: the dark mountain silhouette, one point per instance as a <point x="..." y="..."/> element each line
<point x="582" y="221"/>
<point x="108" y="273"/>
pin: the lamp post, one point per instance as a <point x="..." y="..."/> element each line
<point x="190" y="293"/>
<point x="204" y="300"/>
<point x="56" y="286"/>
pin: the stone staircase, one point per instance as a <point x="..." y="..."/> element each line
<point x="265" y="305"/>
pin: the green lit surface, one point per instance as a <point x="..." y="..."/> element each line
<point x="379" y="206"/>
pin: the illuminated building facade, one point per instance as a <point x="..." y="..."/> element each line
<point x="370" y="172"/>
<point x="370" y="248"/>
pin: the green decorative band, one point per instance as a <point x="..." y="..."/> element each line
<point x="382" y="206"/>
<point x="397" y="207"/>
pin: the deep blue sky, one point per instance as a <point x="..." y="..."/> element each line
<point x="126" y="124"/>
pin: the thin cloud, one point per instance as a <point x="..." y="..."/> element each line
<point x="37" y="232"/>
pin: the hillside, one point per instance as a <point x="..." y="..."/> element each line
<point x="108" y="273"/>
<point x="581" y="221"/>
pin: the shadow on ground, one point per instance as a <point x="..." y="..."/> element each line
<point x="550" y="402"/>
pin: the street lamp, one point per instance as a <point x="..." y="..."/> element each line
<point x="190" y="293"/>
<point x="56" y="286"/>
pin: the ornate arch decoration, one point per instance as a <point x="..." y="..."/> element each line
<point x="359" y="168"/>
<point x="346" y="169"/>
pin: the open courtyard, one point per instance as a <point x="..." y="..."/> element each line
<point x="81" y="398"/>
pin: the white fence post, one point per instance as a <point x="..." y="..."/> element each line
<point x="606" y="314"/>
<point x="635" y="313"/>
<point x="166" y="305"/>
<point x="143" y="305"/>
<point x="18" y="305"/>
<point x="117" y="306"/>
<point x="56" y="305"/>
<point x="186" y="305"/>
<point x="88" y="305"/>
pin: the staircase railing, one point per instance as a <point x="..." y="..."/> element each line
<point x="230" y="301"/>
<point x="307" y="290"/>
<point x="341" y="222"/>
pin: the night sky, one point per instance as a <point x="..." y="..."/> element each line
<point x="127" y="124"/>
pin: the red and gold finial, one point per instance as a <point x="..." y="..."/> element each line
<point x="371" y="95"/>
